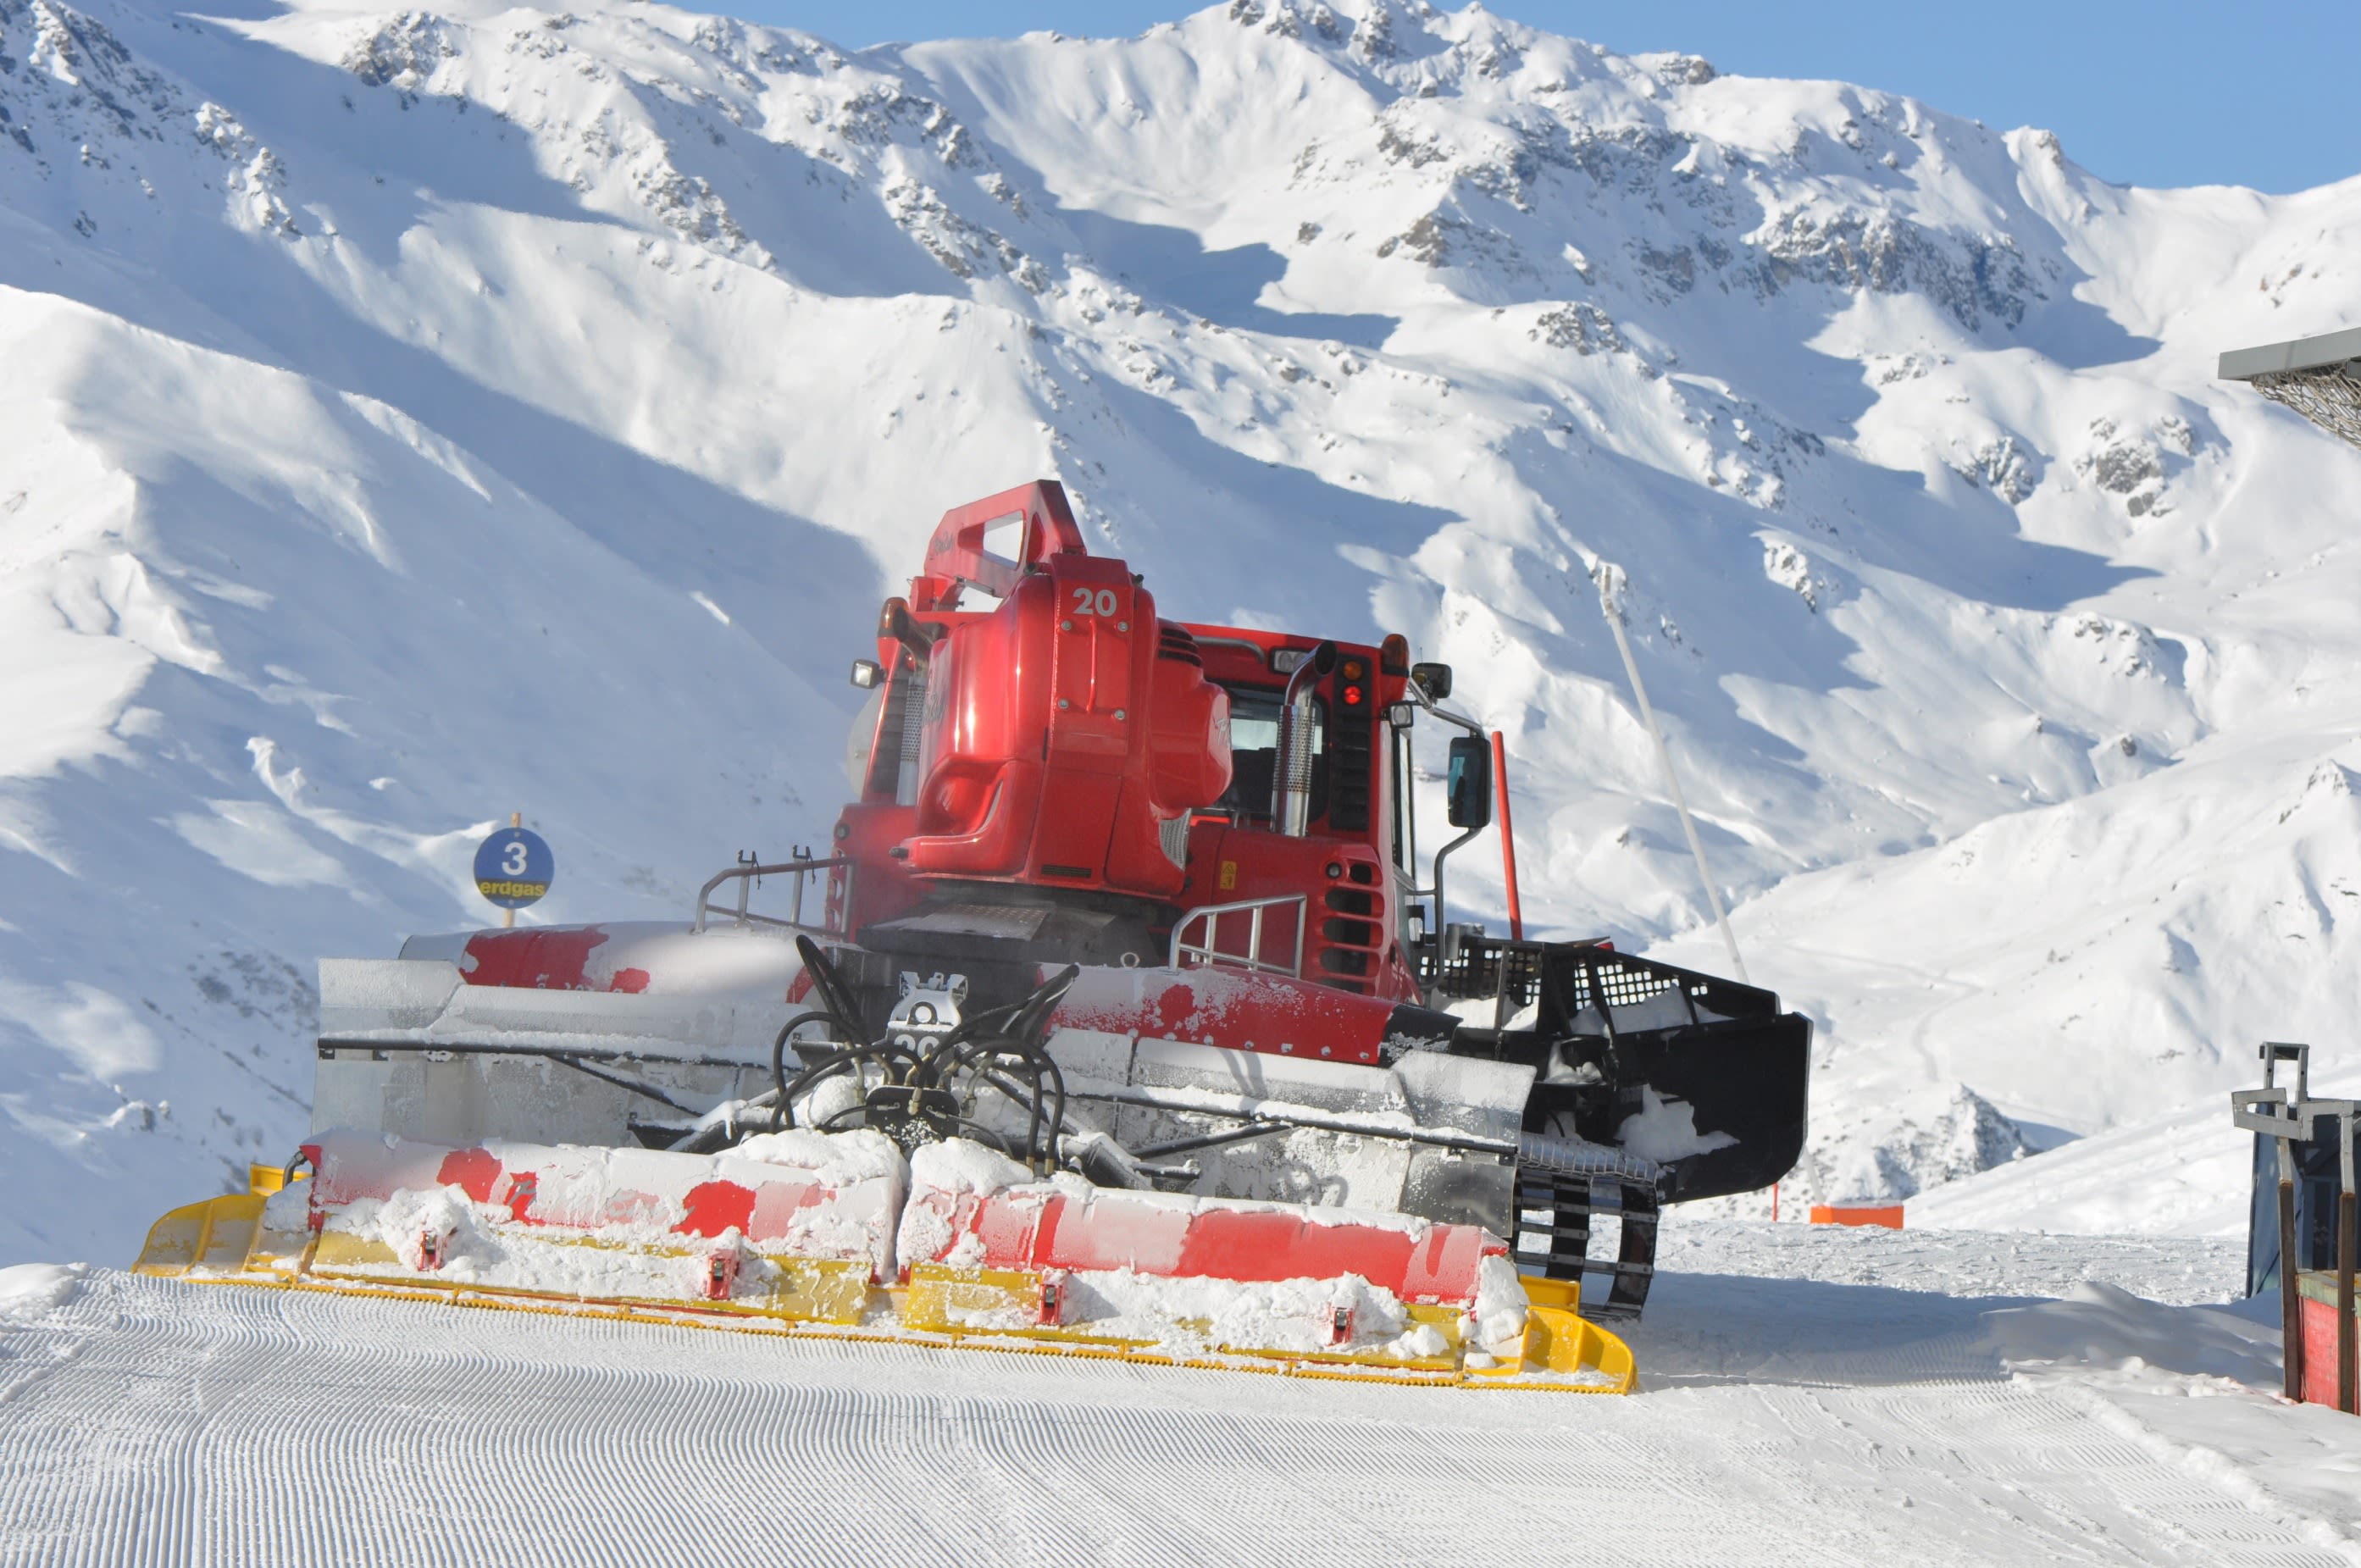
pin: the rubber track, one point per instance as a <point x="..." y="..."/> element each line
<point x="156" y="1423"/>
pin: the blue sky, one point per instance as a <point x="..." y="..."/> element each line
<point x="2163" y="93"/>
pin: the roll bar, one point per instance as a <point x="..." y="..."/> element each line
<point x="956" y="557"/>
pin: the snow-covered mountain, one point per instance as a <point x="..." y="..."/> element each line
<point x="406" y="418"/>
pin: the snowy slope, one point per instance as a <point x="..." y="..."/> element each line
<point x="1808" y="1399"/>
<point x="414" y="417"/>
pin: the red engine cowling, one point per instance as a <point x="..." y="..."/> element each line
<point x="1066" y="737"/>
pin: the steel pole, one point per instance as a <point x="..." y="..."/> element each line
<point x="2345" y="1216"/>
<point x="1609" y="576"/>
<point x="2346" y="1200"/>
<point x="2291" y="1302"/>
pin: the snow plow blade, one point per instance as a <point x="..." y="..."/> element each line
<point x="799" y="1236"/>
<point x="1561" y="1350"/>
<point x="991" y="1259"/>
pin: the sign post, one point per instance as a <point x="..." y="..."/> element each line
<point x="514" y="868"/>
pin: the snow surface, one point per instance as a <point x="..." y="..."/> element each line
<point x="410" y="417"/>
<point x="32" y="1290"/>
<point x="2175" y="1174"/>
<point x="1808" y="1398"/>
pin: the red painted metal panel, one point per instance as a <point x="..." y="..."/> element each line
<point x="2320" y="1347"/>
<point x="712" y="1207"/>
<point x="1225" y="1244"/>
<point x="1231" y="1008"/>
<point x="1057" y="741"/>
<point x="1034" y="1229"/>
<point x="956" y="554"/>
<point x="1104" y="1233"/>
<point x="473" y="1171"/>
<point x="549" y="958"/>
<point x="1229" y="864"/>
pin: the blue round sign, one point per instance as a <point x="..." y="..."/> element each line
<point x="514" y="867"/>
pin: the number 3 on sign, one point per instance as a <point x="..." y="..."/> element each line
<point x="1086" y="602"/>
<point x="513" y="868"/>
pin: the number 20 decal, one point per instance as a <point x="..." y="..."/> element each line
<point x="1088" y="603"/>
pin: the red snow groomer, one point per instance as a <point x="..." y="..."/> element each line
<point x="1116" y="1020"/>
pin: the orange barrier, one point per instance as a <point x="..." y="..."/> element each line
<point x="1887" y="1216"/>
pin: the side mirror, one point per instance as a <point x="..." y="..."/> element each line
<point x="1435" y="679"/>
<point x="1468" y="787"/>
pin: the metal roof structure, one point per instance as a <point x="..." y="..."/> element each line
<point x="2318" y="378"/>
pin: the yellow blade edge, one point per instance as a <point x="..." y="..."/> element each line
<point x="795" y="1289"/>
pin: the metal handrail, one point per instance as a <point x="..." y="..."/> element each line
<point x="1210" y="914"/>
<point x="745" y="873"/>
